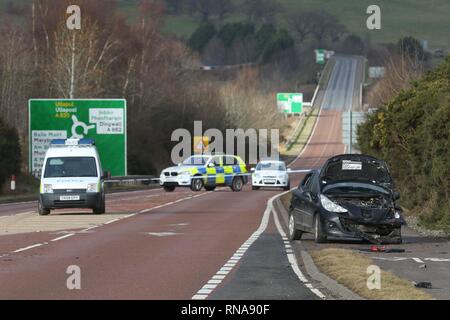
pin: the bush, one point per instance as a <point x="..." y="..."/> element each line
<point x="10" y="155"/>
<point x="412" y="134"/>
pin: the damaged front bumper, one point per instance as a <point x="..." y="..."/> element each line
<point x="349" y="228"/>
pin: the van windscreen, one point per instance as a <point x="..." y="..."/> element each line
<point x="69" y="167"/>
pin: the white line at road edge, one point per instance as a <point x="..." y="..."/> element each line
<point x="220" y="275"/>
<point x="292" y="259"/>
<point x="309" y="139"/>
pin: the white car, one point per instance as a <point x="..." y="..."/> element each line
<point x="271" y="173"/>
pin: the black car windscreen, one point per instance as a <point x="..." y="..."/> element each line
<point x="348" y="170"/>
<point x="69" y="167"/>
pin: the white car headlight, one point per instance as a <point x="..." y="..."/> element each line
<point x="330" y="205"/>
<point x="48" y="188"/>
<point x="91" y="187"/>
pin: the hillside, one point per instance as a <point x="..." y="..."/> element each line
<point x="421" y="19"/>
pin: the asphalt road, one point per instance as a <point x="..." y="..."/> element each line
<point x="180" y="245"/>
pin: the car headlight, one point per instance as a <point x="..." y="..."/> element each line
<point x="91" y="187"/>
<point x="48" y="188"/>
<point x="330" y="205"/>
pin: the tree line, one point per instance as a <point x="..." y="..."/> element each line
<point x="111" y="57"/>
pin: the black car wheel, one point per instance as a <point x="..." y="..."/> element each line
<point x="288" y="187"/>
<point x="237" y="184"/>
<point x="197" y="184"/>
<point x="42" y="211"/>
<point x="169" y="188"/>
<point x="255" y="188"/>
<point x="294" y="234"/>
<point x="319" y="234"/>
<point x="210" y="188"/>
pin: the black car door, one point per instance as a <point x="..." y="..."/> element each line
<point x="300" y="200"/>
<point x="311" y="199"/>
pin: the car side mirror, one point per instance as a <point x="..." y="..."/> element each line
<point x="106" y="175"/>
<point x="252" y="169"/>
<point x="396" y="195"/>
<point x="289" y="170"/>
<point x="307" y="195"/>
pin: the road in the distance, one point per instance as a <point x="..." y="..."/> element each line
<point x="171" y="249"/>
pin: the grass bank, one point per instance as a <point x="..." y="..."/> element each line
<point x="350" y="269"/>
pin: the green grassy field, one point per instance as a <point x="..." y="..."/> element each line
<point x="423" y="19"/>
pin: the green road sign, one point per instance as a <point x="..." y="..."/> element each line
<point x="320" y="56"/>
<point x="290" y="102"/>
<point x="103" y="120"/>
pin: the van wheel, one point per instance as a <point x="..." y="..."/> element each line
<point x="210" y="188"/>
<point x="102" y="208"/>
<point x="42" y="211"/>
<point x="237" y="184"/>
<point x="169" y="188"/>
<point x="197" y="183"/>
<point x="319" y="235"/>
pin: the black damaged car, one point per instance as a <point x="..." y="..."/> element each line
<point x="350" y="198"/>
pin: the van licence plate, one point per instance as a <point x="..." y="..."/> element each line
<point x="69" y="198"/>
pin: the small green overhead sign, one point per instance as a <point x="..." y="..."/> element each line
<point x="103" y="120"/>
<point x="320" y="56"/>
<point x="290" y="102"/>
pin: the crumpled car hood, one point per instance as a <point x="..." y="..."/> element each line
<point x="355" y="167"/>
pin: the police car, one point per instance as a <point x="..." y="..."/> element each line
<point x="270" y="173"/>
<point x="72" y="177"/>
<point x="208" y="171"/>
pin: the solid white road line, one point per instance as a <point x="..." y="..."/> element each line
<point x="293" y="260"/>
<point x="231" y="263"/>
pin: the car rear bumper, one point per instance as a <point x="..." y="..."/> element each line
<point x="86" y="200"/>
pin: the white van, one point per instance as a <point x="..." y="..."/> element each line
<point x="72" y="177"/>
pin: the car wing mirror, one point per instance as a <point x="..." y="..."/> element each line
<point x="307" y="195"/>
<point x="396" y="195"/>
<point x="252" y="169"/>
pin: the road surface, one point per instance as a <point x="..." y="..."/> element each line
<point x="180" y="245"/>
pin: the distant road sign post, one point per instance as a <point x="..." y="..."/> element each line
<point x="320" y="56"/>
<point x="290" y="102"/>
<point x="103" y="120"/>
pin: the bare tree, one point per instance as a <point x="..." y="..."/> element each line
<point x="303" y="24"/>
<point x="79" y="62"/>
<point x="15" y="78"/>
<point x="401" y="70"/>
